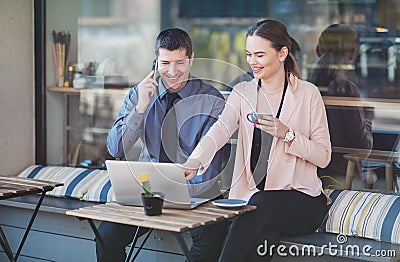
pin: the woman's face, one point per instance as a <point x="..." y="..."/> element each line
<point x="264" y="60"/>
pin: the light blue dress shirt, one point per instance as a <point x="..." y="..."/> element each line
<point x="197" y="109"/>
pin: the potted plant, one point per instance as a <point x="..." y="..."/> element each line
<point x="152" y="201"/>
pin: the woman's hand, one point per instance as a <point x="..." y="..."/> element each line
<point x="189" y="174"/>
<point x="190" y="168"/>
<point x="272" y="126"/>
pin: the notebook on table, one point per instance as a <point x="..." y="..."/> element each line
<point x="167" y="178"/>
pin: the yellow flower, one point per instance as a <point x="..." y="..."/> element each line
<point x="144" y="177"/>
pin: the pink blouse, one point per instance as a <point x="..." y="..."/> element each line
<point x="291" y="167"/>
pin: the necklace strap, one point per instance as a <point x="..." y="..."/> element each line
<point x="282" y="98"/>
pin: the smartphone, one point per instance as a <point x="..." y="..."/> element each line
<point x="155" y="68"/>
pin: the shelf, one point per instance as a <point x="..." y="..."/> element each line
<point x="382" y="103"/>
<point x="119" y="91"/>
<point x="95" y="130"/>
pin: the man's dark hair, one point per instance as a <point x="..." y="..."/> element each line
<point x="174" y="39"/>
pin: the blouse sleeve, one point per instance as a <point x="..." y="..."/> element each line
<point x="316" y="148"/>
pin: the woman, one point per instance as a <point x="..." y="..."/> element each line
<point x="291" y="200"/>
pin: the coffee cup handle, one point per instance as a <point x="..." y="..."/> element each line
<point x="248" y="116"/>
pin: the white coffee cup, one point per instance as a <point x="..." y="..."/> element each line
<point x="254" y="115"/>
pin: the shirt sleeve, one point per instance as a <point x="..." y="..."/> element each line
<point x="127" y="128"/>
<point x="217" y="161"/>
<point x="218" y="134"/>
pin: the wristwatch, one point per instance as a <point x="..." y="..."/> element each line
<point x="289" y="137"/>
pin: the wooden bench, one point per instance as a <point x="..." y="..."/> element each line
<point x="328" y="246"/>
<point x="363" y="218"/>
<point x="53" y="231"/>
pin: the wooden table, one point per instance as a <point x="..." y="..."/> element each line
<point x="388" y="158"/>
<point x="18" y="186"/>
<point x="175" y="221"/>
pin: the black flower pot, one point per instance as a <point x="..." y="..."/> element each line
<point x="153" y="204"/>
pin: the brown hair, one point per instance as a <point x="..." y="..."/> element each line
<point x="276" y="32"/>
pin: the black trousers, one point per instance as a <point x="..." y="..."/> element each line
<point x="207" y="241"/>
<point x="279" y="213"/>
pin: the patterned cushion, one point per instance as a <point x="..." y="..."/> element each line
<point x="364" y="214"/>
<point x="101" y="190"/>
<point x="77" y="181"/>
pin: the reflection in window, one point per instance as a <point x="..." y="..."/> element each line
<point x="122" y="31"/>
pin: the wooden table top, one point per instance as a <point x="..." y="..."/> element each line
<point x="375" y="156"/>
<point x="175" y="220"/>
<point x="20" y="186"/>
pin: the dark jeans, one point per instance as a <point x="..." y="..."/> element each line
<point x="279" y="213"/>
<point x="207" y="241"/>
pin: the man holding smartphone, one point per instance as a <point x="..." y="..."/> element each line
<point x="169" y="113"/>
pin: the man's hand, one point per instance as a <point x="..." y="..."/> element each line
<point x="146" y="90"/>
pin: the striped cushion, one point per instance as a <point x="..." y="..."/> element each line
<point x="77" y="181"/>
<point x="101" y="190"/>
<point x="364" y="214"/>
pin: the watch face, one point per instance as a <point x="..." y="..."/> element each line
<point x="289" y="136"/>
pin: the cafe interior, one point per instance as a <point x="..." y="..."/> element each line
<point x="68" y="65"/>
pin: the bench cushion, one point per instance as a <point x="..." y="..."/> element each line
<point x="364" y="214"/>
<point x="80" y="183"/>
<point x="101" y="190"/>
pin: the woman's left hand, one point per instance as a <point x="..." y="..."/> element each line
<point x="272" y="126"/>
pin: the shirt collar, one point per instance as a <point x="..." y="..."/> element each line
<point x="183" y="93"/>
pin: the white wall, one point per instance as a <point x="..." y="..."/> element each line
<point x="16" y="86"/>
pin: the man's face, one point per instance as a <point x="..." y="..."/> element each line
<point x="174" y="67"/>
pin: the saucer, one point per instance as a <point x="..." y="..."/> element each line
<point x="229" y="203"/>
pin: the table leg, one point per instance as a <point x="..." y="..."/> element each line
<point x="350" y="173"/>
<point x="389" y="176"/>
<point x="21" y="244"/>
<point x="96" y="234"/>
<point x="133" y="244"/>
<point x="183" y="246"/>
<point x="140" y="247"/>
<point x="5" y="245"/>
<point x="103" y="246"/>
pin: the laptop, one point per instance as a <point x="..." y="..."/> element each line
<point x="167" y="178"/>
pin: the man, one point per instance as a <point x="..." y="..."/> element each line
<point x="188" y="107"/>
